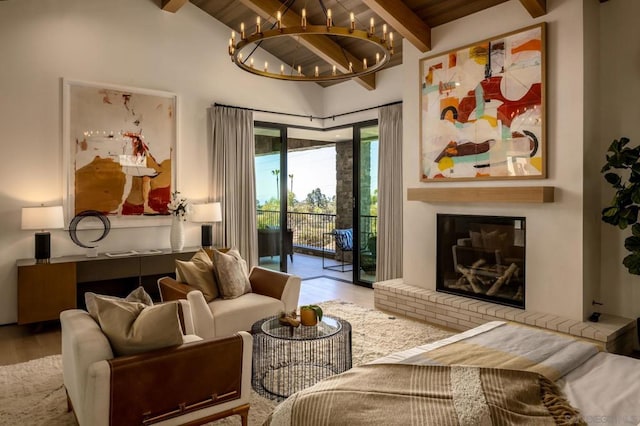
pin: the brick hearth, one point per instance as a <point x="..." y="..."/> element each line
<point x="614" y="334"/>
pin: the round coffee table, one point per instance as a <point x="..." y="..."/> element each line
<point x="288" y="359"/>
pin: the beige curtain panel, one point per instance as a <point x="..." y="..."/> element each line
<point x="233" y="180"/>
<point x="389" y="242"/>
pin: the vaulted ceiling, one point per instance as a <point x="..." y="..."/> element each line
<point x="410" y="20"/>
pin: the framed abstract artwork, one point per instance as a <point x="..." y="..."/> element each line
<point x="119" y="152"/>
<point x="482" y="112"/>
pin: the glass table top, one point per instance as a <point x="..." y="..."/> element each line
<point x="325" y="328"/>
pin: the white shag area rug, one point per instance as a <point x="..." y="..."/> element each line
<point x="31" y="393"/>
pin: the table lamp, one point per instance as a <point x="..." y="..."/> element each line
<point x="207" y="213"/>
<point x="42" y="218"/>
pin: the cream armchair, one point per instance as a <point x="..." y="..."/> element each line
<point x="271" y="293"/>
<point x="195" y="383"/>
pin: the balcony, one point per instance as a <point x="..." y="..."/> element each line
<point x="311" y="240"/>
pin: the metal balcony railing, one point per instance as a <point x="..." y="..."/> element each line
<point x="309" y="228"/>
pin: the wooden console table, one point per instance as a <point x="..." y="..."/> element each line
<point x="46" y="289"/>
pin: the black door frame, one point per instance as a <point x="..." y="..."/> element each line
<point x="284" y="196"/>
<point x="357" y="127"/>
<point x="355" y="146"/>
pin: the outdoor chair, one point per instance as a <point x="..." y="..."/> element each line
<point x="344" y="243"/>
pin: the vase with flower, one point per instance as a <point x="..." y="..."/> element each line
<point x="180" y="209"/>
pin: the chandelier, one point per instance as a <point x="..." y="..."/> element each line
<point x="243" y="42"/>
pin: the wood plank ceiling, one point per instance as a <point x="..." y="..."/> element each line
<point x="410" y="20"/>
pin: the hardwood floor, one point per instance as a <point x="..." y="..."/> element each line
<point x="20" y="343"/>
<point x="324" y="289"/>
<point x="23" y="343"/>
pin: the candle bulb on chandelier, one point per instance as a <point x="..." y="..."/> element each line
<point x="368" y="35"/>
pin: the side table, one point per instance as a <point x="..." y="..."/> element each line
<point x="287" y="359"/>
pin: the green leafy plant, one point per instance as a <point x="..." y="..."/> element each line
<point x="317" y="309"/>
<point x="622" y="172"/>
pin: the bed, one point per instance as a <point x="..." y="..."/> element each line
<point x="497" y="373"/>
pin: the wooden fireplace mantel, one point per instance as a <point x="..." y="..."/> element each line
<point x="502" y="194"/>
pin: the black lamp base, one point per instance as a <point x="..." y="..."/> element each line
<point x="43" y="247"/>
<point x="207" y="236"/>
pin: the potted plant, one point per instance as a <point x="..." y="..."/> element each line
<point x="625" y="205"/>
<point x="622" y="171"/>
<point x="310" y="314"/>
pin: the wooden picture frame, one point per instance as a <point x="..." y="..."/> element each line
<point x="482" y="110"/>
<point x="119" y="152"/>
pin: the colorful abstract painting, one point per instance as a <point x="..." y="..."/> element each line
<point x="120" y="147"/>
<point x="482" y="110"/>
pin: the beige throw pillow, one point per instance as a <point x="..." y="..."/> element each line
<point x="132" y="327"/>
<point x="198" y="272"/>
<point x="231" y="273"/>
<point x="137" y="295"/>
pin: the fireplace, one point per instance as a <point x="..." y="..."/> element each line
<point x="482" y="257"/>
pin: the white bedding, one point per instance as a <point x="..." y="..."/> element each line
<point x="604" y="387"/>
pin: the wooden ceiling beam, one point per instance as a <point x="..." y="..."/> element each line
<point x="173" y="5"/>
<point x="320" y="45"/>
<point x="403" y="20"/>
<point x="536" y="8"/>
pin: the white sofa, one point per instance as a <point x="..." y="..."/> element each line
<point x="103" y="390"/>
<point x="272" y="292"/>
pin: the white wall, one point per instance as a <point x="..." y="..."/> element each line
<point x="592" y="160"/>
<point x="619" y="65"/>
<point x="350" y="96"/>
<point x="555" y="239"/>
<point x="124" y="42"/>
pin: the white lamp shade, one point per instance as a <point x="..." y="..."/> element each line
<point x="42" y="217"/>
<point x="210" y="212"/>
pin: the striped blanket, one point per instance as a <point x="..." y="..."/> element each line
<point x="497" y="373"/>
<point x="503" y="345"/>
<point x="397" y="394"/>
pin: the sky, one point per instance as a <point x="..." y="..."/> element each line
<point x="312" y="168"/>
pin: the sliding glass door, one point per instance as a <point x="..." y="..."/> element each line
<point x="366" y="191"/>
<point x="274" y="242"/>
<point x="309" y="184"/>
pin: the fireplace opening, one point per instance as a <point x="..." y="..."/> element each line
<point x="482" y="257"/>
